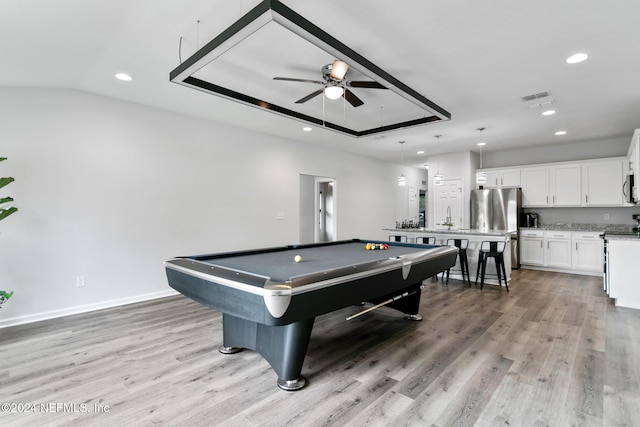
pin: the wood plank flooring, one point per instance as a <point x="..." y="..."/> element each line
<point x="554" y="351"/>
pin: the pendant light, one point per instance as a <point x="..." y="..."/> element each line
<point x="402" y="180"/>
<point x="481" y="177"/>
<point x="437" y="178"/>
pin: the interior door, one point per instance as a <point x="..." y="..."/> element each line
<point x="449" y="204"/>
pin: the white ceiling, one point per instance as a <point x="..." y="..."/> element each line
<point x="475" y="59"/>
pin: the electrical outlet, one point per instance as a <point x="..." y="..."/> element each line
<point x="80" y="282"/>
<point x="606" y="217"/>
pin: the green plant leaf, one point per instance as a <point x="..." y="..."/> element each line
<point x="6" y="212"/>
<point x="2" y="158"/>
<point x="5" y="181"/>
<point x="6" y="200"/>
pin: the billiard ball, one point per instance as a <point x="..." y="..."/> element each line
<point x="297" y="258"/>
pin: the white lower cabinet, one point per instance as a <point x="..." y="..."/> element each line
<point x="566" y="251"/>
<point x="557" y="249"/>
<point x="532" y="247"/>
<point x="587" y="252"/>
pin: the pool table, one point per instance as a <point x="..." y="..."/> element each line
<point x="269" y="301"/>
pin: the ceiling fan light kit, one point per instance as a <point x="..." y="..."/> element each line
<point x="419" y="109"/>
<point x="333" y="92"/>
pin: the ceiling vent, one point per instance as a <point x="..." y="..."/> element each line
<point x="535" y="96"/>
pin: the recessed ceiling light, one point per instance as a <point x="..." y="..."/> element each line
<point x="420" y="152"/>
<point x="481" y="144"/>
<point x="578" y="57"/>
<point x="548" y="112"/>
<point x="124" y="77"/>
<point x="561" y="132"/>
<point x="307" y="129"/>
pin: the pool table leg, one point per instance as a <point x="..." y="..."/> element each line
<point x="409" y="305"/>
<point x="284" y="347"/>
<point x="229" y="350"/>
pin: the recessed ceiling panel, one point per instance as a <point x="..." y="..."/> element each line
<point x="273" y="41"/>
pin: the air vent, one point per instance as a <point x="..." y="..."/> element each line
<point x="535" y="96"/>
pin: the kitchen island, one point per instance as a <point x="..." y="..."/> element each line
<point x="621" y="280"/>
<point x="475" y="237"/>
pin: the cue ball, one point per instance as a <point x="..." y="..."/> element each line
<point x="297" y="258"/>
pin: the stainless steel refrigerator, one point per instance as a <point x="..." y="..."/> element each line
<point x="499" y="209"/>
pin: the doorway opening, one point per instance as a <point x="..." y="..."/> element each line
<point x="317" y="209"/>
<point x="325" y="211"/>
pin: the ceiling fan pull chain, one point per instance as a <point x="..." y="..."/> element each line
<point x="323" y="111"/>
<point x="197" y="34"/>
<point x="344" y="108"/>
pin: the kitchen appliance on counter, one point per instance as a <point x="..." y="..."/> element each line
<point x="499" y="209"/>
<point x="530" y="220"/>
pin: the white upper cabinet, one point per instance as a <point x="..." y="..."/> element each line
<point x="591" y="183"/>
<point x="502" y="178"/>
<point x="602" y="183"/>
<point x="565" y="184"/>
<point x="492" y="178"/>
<point x="509" y="177"/>
<point x="535" y="186"/>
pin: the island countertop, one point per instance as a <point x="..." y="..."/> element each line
<point x="460" y="231"/>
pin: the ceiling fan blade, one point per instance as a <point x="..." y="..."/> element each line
<point x="339" y="70"/>
<point x="287" y="79"/>
<point x="308" y="97"/>
<point x="366" y="85"/>
<point x="352" y="99"/>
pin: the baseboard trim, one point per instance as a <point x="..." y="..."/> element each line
<point x="562" y="270"/>
<point x="4" y="323"/>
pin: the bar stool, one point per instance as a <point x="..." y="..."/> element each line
<point x="462" y="245"/>
<point x="398" y="238"/>
<point x="430" y="240"/>
<point x="495" y="250"/>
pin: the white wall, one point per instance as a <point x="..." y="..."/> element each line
<point x="451" y="166"/>
<point x="559" y="152"/>
<point x="109" y="190"/>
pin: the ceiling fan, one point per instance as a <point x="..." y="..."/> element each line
<point x="334" y="84"/>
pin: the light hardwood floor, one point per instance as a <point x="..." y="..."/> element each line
<point x="553" y="351"/>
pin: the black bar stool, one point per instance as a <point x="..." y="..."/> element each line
<point x="398" y="238"/>
<point x="493" y="250"/>
<point x="462" y="245"/>
<point x="426" y="240"/>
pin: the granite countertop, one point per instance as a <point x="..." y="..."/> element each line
<point x="634" y="237"/>
<point x="623" y="228"/>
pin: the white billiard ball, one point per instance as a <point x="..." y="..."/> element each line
<point x="297" y="258"/>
